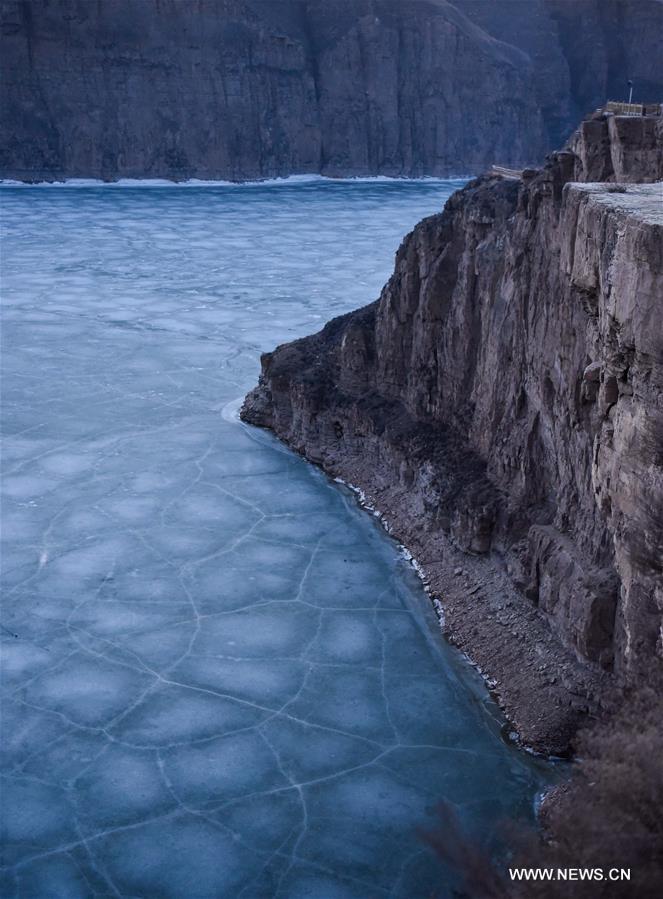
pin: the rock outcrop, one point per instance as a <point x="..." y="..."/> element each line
<point x="618" y="148"/>
<point x="244" y="89"/>
<point x="502" y="404"/>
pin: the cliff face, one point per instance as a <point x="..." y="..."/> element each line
<point x="618" y="148"/>
<point x="504" y="398"/>
<point x="257" y="88"/>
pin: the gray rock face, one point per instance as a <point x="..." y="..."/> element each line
<point x="503" y="397"/>
<point x="618" y="148"/>
<point x="256" y="88"/>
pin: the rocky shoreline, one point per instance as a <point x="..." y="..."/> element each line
<point x="499" y="405"/>
<point x="542" y="688"/>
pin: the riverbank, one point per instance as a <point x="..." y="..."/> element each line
<point x="499" y="406"/>
<point x="544" y="691"/>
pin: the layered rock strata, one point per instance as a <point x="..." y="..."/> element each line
<point x="502" y="405"/>
<point x="243" y="89"/>
<point x="618" y="148"/>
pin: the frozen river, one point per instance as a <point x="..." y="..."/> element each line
<point x="221" y="679"/>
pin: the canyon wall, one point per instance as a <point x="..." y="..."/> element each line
<point x="503" y="402"/>
<point x="257" y="88"/>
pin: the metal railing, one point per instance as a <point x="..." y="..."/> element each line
<point x="637" y="109"/>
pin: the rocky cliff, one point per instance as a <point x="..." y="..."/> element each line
<point x="256" y="88"/>
<point x="618" y="148"/>
<point x="502" y="405"/>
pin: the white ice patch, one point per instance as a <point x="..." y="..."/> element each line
<point x="286" y="181"/>
<point x="230" y="412"/>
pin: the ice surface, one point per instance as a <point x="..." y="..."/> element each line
<point x="220" y="678"/>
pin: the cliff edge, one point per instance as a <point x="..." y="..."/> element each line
<point x="502" y="405"/>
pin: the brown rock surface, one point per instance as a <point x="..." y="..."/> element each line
<point x="502" y="405"/>
<point x="618" y="148"/>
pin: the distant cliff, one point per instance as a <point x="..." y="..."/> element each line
<point x="501" y="404"/>
<point x="256" y="88"/>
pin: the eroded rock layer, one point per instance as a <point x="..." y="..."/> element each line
<point x="256" y="88"/>
<point x="502" y="403"/>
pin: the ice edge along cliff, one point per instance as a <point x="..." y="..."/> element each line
<point x="502" y="405"/>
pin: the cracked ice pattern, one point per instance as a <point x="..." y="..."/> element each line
<point x="220" y="678"/>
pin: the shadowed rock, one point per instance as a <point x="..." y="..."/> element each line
<point x="243" y="89"/>
<point x="502" y="398"/>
